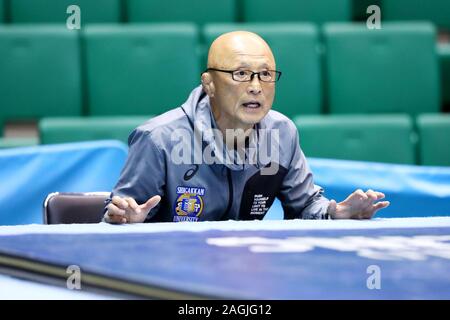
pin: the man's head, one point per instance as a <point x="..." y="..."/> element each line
<point x="238" y="104"/>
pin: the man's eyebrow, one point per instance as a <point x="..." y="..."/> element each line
<point x="245" y="65"/>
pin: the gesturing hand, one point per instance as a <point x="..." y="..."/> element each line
<point x="358" y="205"/>
<point x="126" y="210"/>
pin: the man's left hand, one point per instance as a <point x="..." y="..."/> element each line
<point x="358" y="205"/>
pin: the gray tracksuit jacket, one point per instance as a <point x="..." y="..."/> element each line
<point x="164" y="160"/>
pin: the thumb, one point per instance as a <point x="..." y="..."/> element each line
<point x="332" y="206"/>
<point x="150" y="204"/>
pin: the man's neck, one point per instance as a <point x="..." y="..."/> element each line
<point x="238" y="131"/>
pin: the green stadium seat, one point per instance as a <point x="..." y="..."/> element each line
<point x="316" y="11"/>
<point x="295" y="47"/>
<point x="140" y="69"/>
<point x="73" y="129"/>
<point x="6" y="143"/>
<point x="379" y="138"/>
<point x="436" y="11"/>
<point x="40" y="72"/>
<point x="444" y="57"/>
<point x="2" y="11"/>
<point x="434" y="139"/>
<point x="198" y="11"/>
<point x="391" y="70"/>
<point x="360" y="8"/>
<point x="55" y="11"/>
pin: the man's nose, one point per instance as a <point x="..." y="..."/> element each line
<point x="254" y="86"/>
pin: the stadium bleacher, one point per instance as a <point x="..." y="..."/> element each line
<point x="40" y="73"/>
<point x="316" y="11"/>
<point x="358" y="137"/>
<point x="71" y="129"/>
<point x="135" y="58"/>
<point x="2" y="11"/>
<point x="198" y="11"/>
<point x="134" y="69"/>
<point x="54" y="11"/>
<point x="434" y="132"/>
<point x="377" y="71"/>
<point x="436" y="11"/>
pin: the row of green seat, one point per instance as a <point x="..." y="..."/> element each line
<point x="444" y="59"/>
<point x="148" y="69"/>
<point x="380" y="138"/>
<point x="207" y="11"/>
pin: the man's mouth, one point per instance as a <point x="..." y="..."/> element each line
<point x="252" y="104"/>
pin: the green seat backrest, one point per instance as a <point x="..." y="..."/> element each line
<point x="359" y="8"/>
<point x="198" y="11"/>
<point x="6" y="143"/>
<point x="379" y="138"/>
<point x="62" y="130"/>
<point x="436" y="11"/>
<point x="434" y="139"/>
<point x="55" y="11"/>
<point x="295" y="47"/>
<point x="391" y="70"/>
<point x="2" y="10"/>
<point x="39" y="72"/>
<point x="140" y="69"/>
<point x="317" y="11"/>
<point x="444" y="58"/>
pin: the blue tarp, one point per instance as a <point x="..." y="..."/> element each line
<point x="27" y="175"/>
<point x="378" y="259"/>
<point x="414" y="191"/>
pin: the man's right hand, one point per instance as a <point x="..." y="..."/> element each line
<point x="126" y="210"/>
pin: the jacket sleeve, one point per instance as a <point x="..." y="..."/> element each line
<point x="300" y="197"/>
<point x="143" y="175"/>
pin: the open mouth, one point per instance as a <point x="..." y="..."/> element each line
<point x="252" y="104"/>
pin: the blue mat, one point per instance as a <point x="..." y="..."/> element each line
<point x="412" y="263"/>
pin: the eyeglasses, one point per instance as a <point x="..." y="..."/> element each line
<point x="247" y="75"/>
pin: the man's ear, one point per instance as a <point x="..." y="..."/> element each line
<point x="208" y="84"/>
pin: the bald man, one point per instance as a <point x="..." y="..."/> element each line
<point x="206" y="160"/>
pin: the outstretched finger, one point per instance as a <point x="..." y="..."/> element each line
<point x="371" y="195"/>
<point x="380" y="205"/>
<point x="150" y="204"/>
<point x="119" y="202"/>
<point x="132" y="204"/>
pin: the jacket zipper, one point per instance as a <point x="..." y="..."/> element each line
<point x="230" y="195"/>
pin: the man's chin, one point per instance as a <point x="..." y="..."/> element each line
<point x="253" y="117"/>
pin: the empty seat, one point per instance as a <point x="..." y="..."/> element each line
<point x="317" y="11"/>
<point x="17" y="142"/>
<point x="434" y="139"/>
<point x="391" y="70"/>
<point x="198" y="11"/>
<point x="295" y="47"/>
<point x="380" y="138"/>
<point x="39" y="72"/>
<point x="61" y="130"/>
<point x="140" y="69"/>
<point x="436" y="11"/>
<point x="359" y="8"/>
<point x="444" y="58"/>
<point x="55" y="11"/>
<point x="2" y="11"/>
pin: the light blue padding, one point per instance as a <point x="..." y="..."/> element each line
<point x="414" y="191"/>
<point x="28" y="175"/>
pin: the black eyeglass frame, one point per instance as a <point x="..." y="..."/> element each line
<point x="277" y="77"/>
